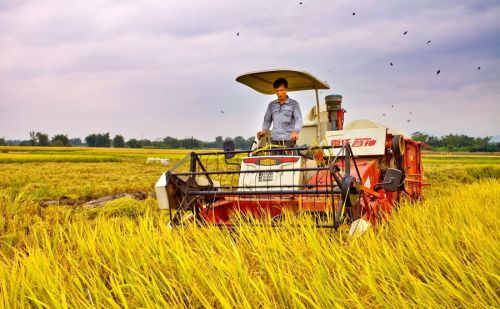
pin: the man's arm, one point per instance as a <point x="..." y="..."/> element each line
<point x="266" y="124"/>
<point x="268" y="119"/>
<point x="298" y="117"/>
<point x="294" y="136"/>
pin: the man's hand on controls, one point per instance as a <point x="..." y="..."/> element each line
<point x="261" y="134"/>
<point x="294" y="136"/>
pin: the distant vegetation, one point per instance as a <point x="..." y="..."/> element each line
<point x="190" y="143"/>
<point x="98" y="140"/>
<point x="449" y="143"/>
<point x="104" y="140"/>
<point x="456" y="142"/>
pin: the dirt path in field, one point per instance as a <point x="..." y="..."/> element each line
<point x="95" y="203"/>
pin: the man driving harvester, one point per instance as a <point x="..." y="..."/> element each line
<point x="284" y="113"/>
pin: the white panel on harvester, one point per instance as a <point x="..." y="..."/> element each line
<point x="364" y="142"/>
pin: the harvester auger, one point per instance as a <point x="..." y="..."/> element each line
<point x="356" y="175"/>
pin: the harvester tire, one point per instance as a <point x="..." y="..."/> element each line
<point x="398" y="145"/>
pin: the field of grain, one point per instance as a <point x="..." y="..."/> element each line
<point x="443" y="252"/>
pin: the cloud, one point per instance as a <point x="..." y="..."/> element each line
<point x="157" y="68"/>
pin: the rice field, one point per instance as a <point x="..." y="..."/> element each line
<point x="443" y="252"/>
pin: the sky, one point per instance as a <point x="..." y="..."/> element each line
<point x="156" y="68"/>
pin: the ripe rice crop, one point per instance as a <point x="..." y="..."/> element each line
<point x="462" y="159"/>
<point x="442" y="252"/>
<point x="39" y="158"/>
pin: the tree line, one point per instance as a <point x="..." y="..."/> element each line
<point x="457" y="142"/>
<point x="118" y="141"/>
<point x="450" y="142"/>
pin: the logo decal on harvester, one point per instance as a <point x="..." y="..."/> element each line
<point x="364" y="142"/>
<point x="357" y="142"/>
<point x="268" y="162"/>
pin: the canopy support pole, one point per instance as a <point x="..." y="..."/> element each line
<point x="318" y="114"/>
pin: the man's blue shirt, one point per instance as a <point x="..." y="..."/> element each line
<point x="285" y="118"/>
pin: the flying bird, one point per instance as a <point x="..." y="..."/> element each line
<point x="353" y="13"/>
<point x="300" y="2"/>
<point x="238" y="34"/>
<point x="408" y="120"/>
<point x="222" y="112"/>
<point x="428" y="42"/>
<point x="383" y="114"/>
<point x="391" y="64"/>
<point x="404" y="33"/>
<point x="479" y="68"/>
<point x="392" y="106"/>
<point x="438" y="71"/>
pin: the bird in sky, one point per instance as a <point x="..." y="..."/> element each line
<point x="222" y="112"/>
<point x="353" y="13"/>
<point x="408" y="120"/>
<point x="391" y="64"/>
<point x="438" y="71"/>
<point x="392" y="106"/>
<point x="404" y="33"/>
<point x="428" y="42"/>
<point x="300" y="2"/>
<point x="383" y="114"/>
<point x="479" y="68"/>
<point x="410" y="113"/>
<point x="237" y="34"/>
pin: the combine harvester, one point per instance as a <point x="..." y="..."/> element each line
<point x="356" y="175"/>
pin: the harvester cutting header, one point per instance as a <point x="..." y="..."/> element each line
<point x="351" y="173"/>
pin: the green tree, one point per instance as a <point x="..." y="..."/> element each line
<point x="2" y="141"/>
<point x="91" y="140"/>
<point x="145" y="143"/>
<point x="60" y="140"/>
<point x="32" y="140"/>
<point x="98" y="140"/>
<point x="42" y="139"/>
<point x="240" y="142"/>
<point x="75" y="141"/>
<point x="171" y="142"/>
<point x="190" y="143"/>
<point x="104" y="140"/>
<point x="57" y="143"/>
<point x="133" y="143"/>
<point x="118" y="141"/>
<point x="434" y="141"/>
<point x="420" y="136"/>
<point x="456" y="142"/>
<point x="219" y="141"/>
<point x="157" y="144"/>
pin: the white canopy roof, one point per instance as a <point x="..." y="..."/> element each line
<point x="262" y="81"/>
